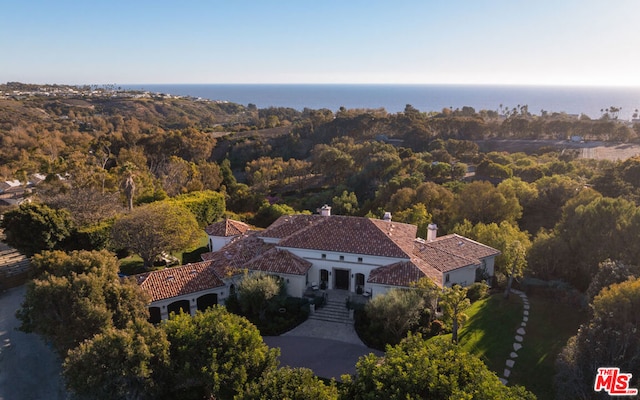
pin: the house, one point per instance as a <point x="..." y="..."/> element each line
<point x="360" y="255"/>
<point x="221" y="233"/>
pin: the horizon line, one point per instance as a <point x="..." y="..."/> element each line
<point x="478" y="84"/>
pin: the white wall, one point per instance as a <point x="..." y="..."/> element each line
<point x="218" y="242"/>
<point x="354" y="263"/>
<point x="296" y="284"/>
<point x="192" y="298"/>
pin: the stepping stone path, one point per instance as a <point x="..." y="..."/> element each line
<point x="519" y="337"/>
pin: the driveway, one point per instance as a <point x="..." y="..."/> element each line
<point x="329" y="349"/>
<point x="29" y="369"/>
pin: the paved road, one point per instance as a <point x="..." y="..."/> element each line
<point x="329" y="349"/>
<point x="29" y="369"/>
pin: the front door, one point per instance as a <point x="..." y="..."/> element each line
<point x="342" y="279"/>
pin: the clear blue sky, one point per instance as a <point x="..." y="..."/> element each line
<point x="562" y="42"/>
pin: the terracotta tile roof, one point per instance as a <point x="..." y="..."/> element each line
<point x="354" y="235"/>
<point x="432" y="259"/>
<point x="441" y="260"/>
<point x="398" y="274"/>
<point x="178" y="281"/>
<point x="279" y="261"/>
<point x="450" y="252"/>
<point x="289" y="224"/>
<point x="231" y="259"/>
<point x="227" y="227"/>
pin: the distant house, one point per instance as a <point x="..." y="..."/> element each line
<point x="12" y="186"/>
<point x="359" y="255"/>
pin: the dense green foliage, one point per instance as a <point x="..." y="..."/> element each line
<point x="390" y="316"/>
<point x="256" y="291"/>
<point x="155" y="228"/>
<point x="417" y="369"/>
<point x="34" y="227"/>
<point x="215" y="353"/>
<point x="262" y="299"/>
<point x="610" y="338"/>
<point x="129" y="363"/>
<point x="78" y="295"/>
<point x="289" y="384"/>
<point x="207" y="206"/>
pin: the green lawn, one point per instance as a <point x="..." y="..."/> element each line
<point x="489" y="331"/>
<point x="551" y="324"/>
<point x="489" y="334"/>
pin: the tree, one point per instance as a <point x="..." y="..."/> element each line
<point x="592" y="229"/>
<point x="86" y="206"/>
<point x="453" y="303"/>
<point x="346" y="203"/>
<point x="124" y="363"/>
<point x="255" y="291"/>
<point x="610" y="272"/>
<point x="502" y="237"/>
<point x="128" y="183"/>
<point x="417" y="215"/>
<point x="268" y="213"/>
<point x="152" y="229"/>
<point x="480" y="201"/>
<point x="392" y="315"/>
<point x="77" y="296"/>
<point x="610" y="338"/>
<point x="333" y="163"/>
<point x="35" y="227"/>
<point x="420" y="369"/>
<point x="515" y="254"/>
<point x="215" y="354"/>
<point x="207" y="206"/>
<point x="291" y="384"/>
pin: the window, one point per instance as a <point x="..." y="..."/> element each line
<point x="341" y="258"/>
<point x="324" y="256"/>
<point x="359" y="259"/>
<point x="446" y="278"/>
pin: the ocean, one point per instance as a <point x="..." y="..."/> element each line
<point x="572" y="100"/>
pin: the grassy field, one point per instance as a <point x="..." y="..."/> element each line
<point x="489" y="331"/>
<point x="550" y="325"/>
<point x="489" y="334"/>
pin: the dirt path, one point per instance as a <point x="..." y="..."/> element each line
<point x="29" y="369"/>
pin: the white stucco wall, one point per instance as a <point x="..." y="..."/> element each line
<point x="296" y="284"/>
<point x="218" y="242"/>
<point x="354" y="263"/>
<point x="467" y="275"/>
<point x="192" y="298"/>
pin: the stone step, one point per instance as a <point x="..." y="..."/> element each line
<point x="332" y="310"/>
<point x="331" y="319"/>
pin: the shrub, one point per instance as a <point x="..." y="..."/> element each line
<point x="207" y="206"/>
<point x="477" y="291"/>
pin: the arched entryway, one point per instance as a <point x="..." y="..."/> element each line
<point x="155" y="316"/>
<point x="206" y="301"/>
<point x="178" y="306"/>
